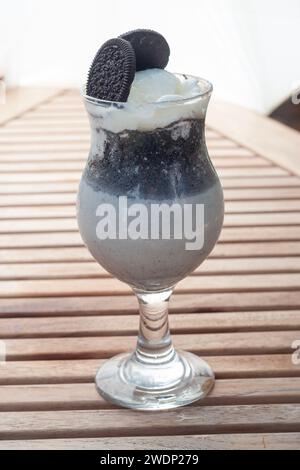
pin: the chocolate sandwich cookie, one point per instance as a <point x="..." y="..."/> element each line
<point x="112" y="71"/>
<point x="151" y="49"/>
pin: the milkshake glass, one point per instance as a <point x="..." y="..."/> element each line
<point x="149" y="160"/>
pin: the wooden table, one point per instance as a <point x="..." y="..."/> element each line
<point x="62" y="315"/>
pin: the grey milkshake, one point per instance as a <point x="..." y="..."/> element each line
<point x="152" y="151"/>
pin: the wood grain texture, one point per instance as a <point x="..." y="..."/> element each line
<point x="246" y="441"/>
<point x="127" y="304"/>
<point x="265" y="136"/>
<point x="91" y="269"/>
<point x="111" y="286"/>
<point x="222" y="250"/>
<point x="84" y="370"/>
<point x="190" y="420"/>
<point x="71" y="238"/>
<point x="106" y="325"/>
<point x="279" y="342"/>
<point x="19" y="100"/>
<point x="85" y="396"/>
<point x="62" y="315"/>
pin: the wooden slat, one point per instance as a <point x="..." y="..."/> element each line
<point x="254" y="172"/>
<point x="261" y="249"/>
<point x="39" y="211"/>
<point x="43" y="255"/>
<point x="262" y="194"/>
<point x="93" y="269"/>
<point x="259" y="234"/>
<point x="180" y="323"/>
<point x="120" y="305"/>
<point x="37" y="161"/>
<point x="191" y="420"/>
<point x="263" y="206"/>
<point x="263" y="135"/>
<point x="7" y="178"/>
<point x="61" y="219"/>
<point x="84" y="396"/>
<point x="24" y="189"/>
<point x="46" y="117"/>
<point x="77" y="147"/>
<point x="255" y="212"/>
<point x="263" y="441"/>
<point x="20" y="200"/>
<point x="222" y="250"/>
<point x="26" y="139"/>
<point x="262" y="219"/>
<point x="84" y="370"/>
<point x="27" y="167"/>
<point x="72" y="238"/>
<point x="279" y="342"/>
<point x="19" y="100"/>
<point x="46" y="225"/>
<point x="16" y="129"/>
<point x="108" y="286"/>
<point x="63" y="106"/>
<point x="230" y="152"/>
<point x="262" y="182"/>
<point x="42" y="124"/>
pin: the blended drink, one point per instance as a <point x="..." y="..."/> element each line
<point x="151" y="150"/>
<point x="149" y="208"/>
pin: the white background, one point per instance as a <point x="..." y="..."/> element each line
<point x="249" y="49"/>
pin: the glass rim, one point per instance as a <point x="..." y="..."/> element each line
<point x="208" y="88"/>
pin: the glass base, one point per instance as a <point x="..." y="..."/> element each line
<point x="126" y="381"/>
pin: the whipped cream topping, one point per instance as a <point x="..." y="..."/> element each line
<point x="154" y="85"/>
<point x="157" y="99"/>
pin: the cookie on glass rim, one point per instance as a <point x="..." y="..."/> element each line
<point x="150" y="47"/>
<point x="112" y="71"/>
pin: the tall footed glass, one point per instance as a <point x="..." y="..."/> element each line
<point x="150" y="210"/>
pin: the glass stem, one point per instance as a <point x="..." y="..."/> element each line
<point x="154" y="344"/>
